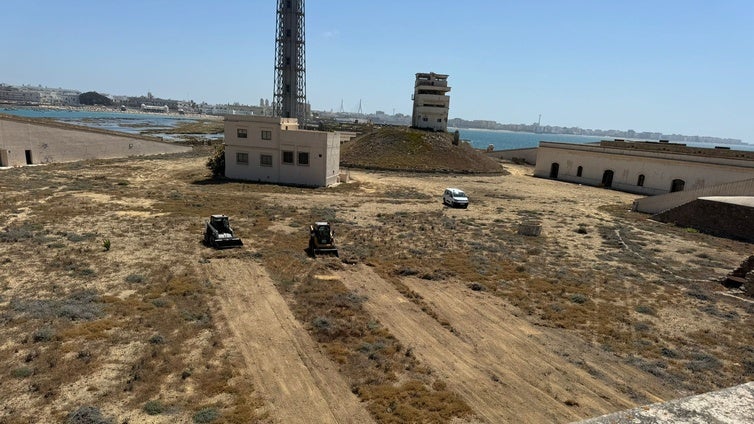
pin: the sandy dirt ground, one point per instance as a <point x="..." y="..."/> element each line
<point x="506" y="364"/>
<point x="495" y="360"/>
<point x="298" y="383"/>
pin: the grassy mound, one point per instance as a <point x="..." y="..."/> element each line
<point x="408" y="149"/>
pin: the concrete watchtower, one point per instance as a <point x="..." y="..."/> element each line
<point x="431" y="102"/>
<point x="289" y="98"/>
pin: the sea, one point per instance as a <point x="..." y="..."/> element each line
<point x="134" y="123"/>
<point x="504" y="140"/>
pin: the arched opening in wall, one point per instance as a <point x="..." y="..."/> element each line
<point x="28" y="157"/>
<point x="607" y="179"/>
<point x="579" y="170"/>
<point x="677" y="185"/>
<point x="554" y="168"/>
<point x="640" y="181"/>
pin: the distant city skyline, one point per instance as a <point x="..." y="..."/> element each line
<point x="681" y="67"/>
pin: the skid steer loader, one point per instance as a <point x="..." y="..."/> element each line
<point x="321" y="239"/>
<point x="219" y="234"/>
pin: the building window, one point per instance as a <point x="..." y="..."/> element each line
<point x="303" y="158"/>
<point x="424" y="119"/>
<point x="265" y="160"/>
<point x="677" y="185"/>
<point x="439" y="119"/>
<point x="579" y="171"/>
<point x="242" y="158"/>
<point x="266" y="135"/>
<point x="241" y="133"/>
<point x="640" y="181"/>
<point x="288" y="158"/>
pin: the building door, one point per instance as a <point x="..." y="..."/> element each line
<point x="554" y="168"/>
<point x="3" y="158"/>
<point x="28" y="157"/>
<point x="677" y="185"/>
<point x="607" y="179"/>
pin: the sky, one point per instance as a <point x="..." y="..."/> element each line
<point x="683" y="67"/>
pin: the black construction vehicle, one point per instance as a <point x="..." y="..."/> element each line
<point x="321" y="239"/>
<point x="219" y="234"/>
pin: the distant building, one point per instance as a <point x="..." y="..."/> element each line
<point x="9" y="94"/>
<point x="650" y="168"/>
<point x="431" y="104"/>
<point x="275" y="150"/>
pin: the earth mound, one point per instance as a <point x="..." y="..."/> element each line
<point x="408" y="149"/>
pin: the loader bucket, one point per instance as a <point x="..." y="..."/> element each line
<point x="226" y="242"/>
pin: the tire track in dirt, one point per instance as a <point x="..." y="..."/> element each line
<point x="496" y="361"/>
<point x="299" y="384"/>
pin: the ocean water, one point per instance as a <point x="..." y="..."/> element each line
<point x="132" y="123"/>
<point x="503" y="140"/>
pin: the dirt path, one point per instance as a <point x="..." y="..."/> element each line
<point x="299" y="384"/>
<point x="495" y="360"/>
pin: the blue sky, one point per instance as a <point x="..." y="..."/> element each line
<point x="669" y="66"/>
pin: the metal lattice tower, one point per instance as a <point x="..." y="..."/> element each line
<point x="289" y="98"/>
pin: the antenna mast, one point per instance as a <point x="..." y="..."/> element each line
<point x="289" y="98"/>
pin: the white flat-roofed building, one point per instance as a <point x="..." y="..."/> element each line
<point x="649" y="168"/>
<point x="275" y="150"/>
<point x="431" y="102"/>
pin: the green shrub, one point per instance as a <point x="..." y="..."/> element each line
<point x="106" y="244"/>
<point x="88" y="415"/>
<point x="21" y="372"/>
<point x="44" y="334"/>
<point x="154" y="407"/>
<point x="135" y="278"/>
<point x="644" y="309"/>
<point x="157" y="339"/>
<point x="206" y="415"/>
<point x="578" y="298"/>
<point x="216" y="162"/>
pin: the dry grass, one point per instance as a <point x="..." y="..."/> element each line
<point x="149" y="330"/>
<point x="372" y="360"/>
<point x="136" y="324"/>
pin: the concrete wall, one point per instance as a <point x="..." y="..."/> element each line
<point x="714" y="215"/>
<point x="285" y="142"/>
<point x="52" y="142"/>
<point x="659" y="169"/>
<point x="529" y="155"/>
<point x="657" y="204"/>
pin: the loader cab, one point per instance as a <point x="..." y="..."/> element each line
<point x="321" y="239"/>
<point x="323" y="232"/>
<point x="220" y="222"/>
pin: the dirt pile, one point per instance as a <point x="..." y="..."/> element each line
<point x="407" y="149"/>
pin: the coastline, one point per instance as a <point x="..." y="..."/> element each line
<point x="105" y="109"/>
